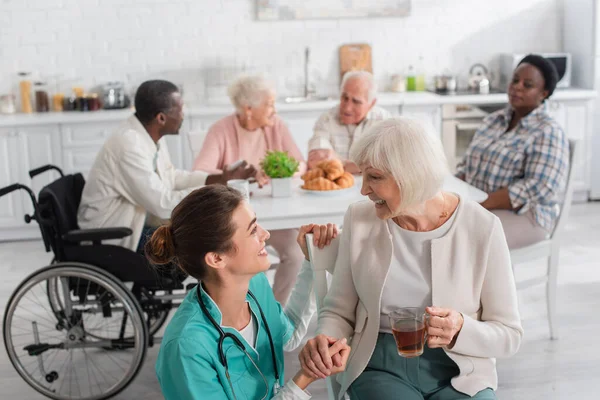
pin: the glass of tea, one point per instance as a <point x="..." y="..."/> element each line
<point x="409" y="325"/>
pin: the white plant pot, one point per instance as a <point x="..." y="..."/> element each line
<point x="281" y="187"/>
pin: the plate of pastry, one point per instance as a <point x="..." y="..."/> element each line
<point x="328" y="178"/>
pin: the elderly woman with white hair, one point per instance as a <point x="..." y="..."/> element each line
<point x="247" y="134"/>
<point x="411" y="244"/>
<point x="337" y="129"/>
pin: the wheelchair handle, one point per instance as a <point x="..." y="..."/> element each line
<point x="37" y="171"/>
<point x="15" y="186"/>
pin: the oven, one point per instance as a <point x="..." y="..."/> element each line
<point x="459" y="124"/>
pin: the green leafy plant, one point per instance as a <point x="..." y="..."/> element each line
<point x="279" y="164"/>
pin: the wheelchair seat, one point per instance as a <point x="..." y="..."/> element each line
<point x="58" y="204"/>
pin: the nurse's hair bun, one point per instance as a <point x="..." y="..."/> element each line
<point x="160" y="248"/>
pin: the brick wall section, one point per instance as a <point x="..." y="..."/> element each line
<point x="92" y="41"/>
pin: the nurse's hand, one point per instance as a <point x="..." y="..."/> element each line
<point x="323" y="234"/>
<point x="316" y="359"/>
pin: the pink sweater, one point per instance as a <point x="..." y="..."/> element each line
<point x="226" y="142"/>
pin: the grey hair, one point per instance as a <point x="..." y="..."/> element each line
<point x="411" y="152"/>
<point x="249" y="91"/>
<point x="364" y="76"/>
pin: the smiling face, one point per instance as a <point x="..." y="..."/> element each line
<point x="354" y="102"/>
<point x="526" y="91"/>
<point x="382" y="189"/>
<point x="250" y="255"/>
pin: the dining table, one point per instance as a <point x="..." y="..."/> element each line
<point x="306" y="207"/>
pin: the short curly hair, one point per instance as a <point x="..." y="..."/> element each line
<point x="249" y="91"/>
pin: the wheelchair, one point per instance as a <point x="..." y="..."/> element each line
<point x="79" y="328"/>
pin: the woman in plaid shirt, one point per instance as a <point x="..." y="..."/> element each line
<point x="520" y="156"/>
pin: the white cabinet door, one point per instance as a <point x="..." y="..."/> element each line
<point x="23" y="149"/>
<point x="11" y="205"/>
<point x="578" y="126"/>
<point x="431" y="115"/>
<point x="81" y="143"/>
<point x="575" y="118"/>
<point x="301" y="124"/>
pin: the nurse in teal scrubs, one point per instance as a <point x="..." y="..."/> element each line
<point x="227" y="338"/>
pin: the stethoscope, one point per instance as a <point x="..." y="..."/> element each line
<point x="224" y="335"/>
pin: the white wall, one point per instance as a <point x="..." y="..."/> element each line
<point x="93" y="41"/>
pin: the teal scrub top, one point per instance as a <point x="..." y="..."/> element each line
<point x="188" y="365"/>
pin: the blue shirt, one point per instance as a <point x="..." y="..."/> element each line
<point x="532" y="160"/>
<point x="188" y="365"/>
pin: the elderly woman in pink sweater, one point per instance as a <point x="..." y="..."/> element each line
<point x="247" y="135"/>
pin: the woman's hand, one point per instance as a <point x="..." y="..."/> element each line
<point x="323" y="234"/>
<point x="339" y="352"/>
<point x="319" y="360"/>
<point x="443" y="327"/>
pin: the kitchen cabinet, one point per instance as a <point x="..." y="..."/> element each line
<point x="575" y="117"/>
<point x="81" y="143"/>
<point x="11" y="205"/>
<point x="22" y="149"/>
<point x="429" y="114"/>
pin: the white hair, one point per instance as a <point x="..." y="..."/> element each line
<point x="410" y="152"/>
<point x="249" y="91"/>
<point x="364" y="76"/>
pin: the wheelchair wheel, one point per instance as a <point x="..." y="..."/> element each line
<point x="156" y="313"/>
<point x="52" y="348"/>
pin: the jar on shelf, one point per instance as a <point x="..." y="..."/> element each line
<point x="42" y="102"/>
<point x="25" y="92"/>
<point x="7" y="104"/>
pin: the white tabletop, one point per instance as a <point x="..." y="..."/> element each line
<point x="304" y="208"/>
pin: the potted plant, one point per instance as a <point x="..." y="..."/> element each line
<point x="280" y="167"/>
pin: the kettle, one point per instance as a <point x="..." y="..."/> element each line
<point x="479" y="79"/>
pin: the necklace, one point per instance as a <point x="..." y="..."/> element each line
<point x="444" y="213"/>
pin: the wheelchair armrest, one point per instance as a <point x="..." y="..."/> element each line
<point x="96" y="235"/>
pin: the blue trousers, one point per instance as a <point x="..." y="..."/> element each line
<point x="389" y="376"/>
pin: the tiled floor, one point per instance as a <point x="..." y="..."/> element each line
<point x="568" y="368"/>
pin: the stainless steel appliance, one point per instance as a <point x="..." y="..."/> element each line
<point x="459" y="124"/>
<point x="114" y="96"/>
<point x="562" y="62"/>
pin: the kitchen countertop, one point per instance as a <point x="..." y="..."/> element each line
<point x="202" y="110"/>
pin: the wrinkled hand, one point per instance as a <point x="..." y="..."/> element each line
<point x="443" y="326"/>
<point x="318" y="155"/>
<point x="319" y="360"/>
<point x="243" y="171"/>
<point x="323" y="234"/>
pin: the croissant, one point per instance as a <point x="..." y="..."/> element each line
<point x="333" y="168"/>
<point x="345" y="181"/>
<point x="320" y="184"/>
<point x="313" y="174"/>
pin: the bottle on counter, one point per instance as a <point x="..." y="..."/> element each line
<point x="42" y="102"/>
<point x="25" y="92"/>
<point x="411" y="79"/>
<point x="420" y="76"/>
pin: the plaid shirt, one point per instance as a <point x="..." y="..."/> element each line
<point x="330" y="133"/>
<point x="532" y="160"/>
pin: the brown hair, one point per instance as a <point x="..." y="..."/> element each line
<point x="200" y="224"/>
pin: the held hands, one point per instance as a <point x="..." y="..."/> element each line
<point x="323" y="234"/>
<point x="443" y="327"/>
<point x="323" y="356"/>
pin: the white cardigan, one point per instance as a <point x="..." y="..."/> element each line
<point x="471" y="273"/>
